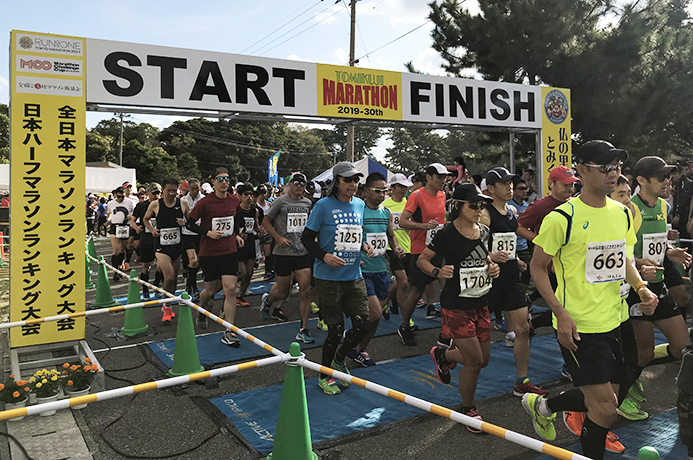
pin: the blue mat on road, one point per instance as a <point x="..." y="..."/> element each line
<point x="254" y="413"/>
<point x="279" y="335"/>
<point x="660" y="432"/>
<point x="257" y="288"/>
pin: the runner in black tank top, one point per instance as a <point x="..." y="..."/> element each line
<point x="170" y="241"/>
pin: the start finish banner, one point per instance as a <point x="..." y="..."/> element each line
<point x="47" y="171"/>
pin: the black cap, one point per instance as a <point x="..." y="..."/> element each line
<point x="469" y="192"/>
<point x="600" y="152"/>
<point x="499" y="174"/>
<point x="652" y="167"/>
<point x="245" y="187"/>
<point x="299" y="177"/>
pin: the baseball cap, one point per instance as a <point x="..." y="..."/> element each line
<point x="91" y="195"/>
<point x="127" y="184"/>
<point x="242" y="188"/>
<point x="600" y="152"/>
<point x="154" y="187"/>
<point x="482" y="186"/>
<point x="400" y="179"/>
<point x="184" y="185"/>
<point x="469" y="192"/>
<point x="437" y="168"/>
<point x="206" y="187"/>
<point x="499" y="174"/>
<point x="297" y="176"/>
<point x="563" y="174"/>
<point x="317" y="193"/>
<point x="343" y="169"/>
<point x="652" y="166"/>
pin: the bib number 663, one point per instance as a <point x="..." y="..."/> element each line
<point x="608" y="261"/>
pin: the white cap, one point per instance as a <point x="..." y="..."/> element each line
<point x="483" y="185"/>
<point x="437" y="168"/>
<point x="318" y="191"/>
<point x="400" y="179"/>
<point x="206" y="188"/>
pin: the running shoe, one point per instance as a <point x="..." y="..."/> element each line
<point x="421" y="304"/>
<point x="201" y="320"/>
<point x="414" y="327"/>
<point x="230" y="339"/>
<point x="612" y="443"/>
<point x="405" y="333"/>
<point x="247" y="293"/>
<point x="158" y="295"/>
<point x="322" y="325"/>
<point x="394" y="307"/>
<point x="432" y="312"/>
<point x="329" y="386"/>
<point x="145" y="293"/>
<point x="265" y="306"/>
<point x="294" y="289"/>
<point x="574" y="421"/>
<point x="444" y="342"/>
<point x="500" y="326"/>
<point x="630" y="409"/>
<point x="196" y="297"/>
<point x="116" y="277"/>
<point x="314" y="307"/>
<point x="241" y="303"/>
<point x="442" y="371"/>
<point x="526" y="387"/>
<point x="361" y="357"/>
<point x="341" y="368"/>
<point x="637" y="392"/>
<point x="473" y="413"/>
<point x="269" y="277"/>
<point x="304" y="336"/>
<point x="386" y="312"/>
<point x="168" y="314"/>
<point x="510" y="339"/>
<point x="279" y="315"/>
<point x="566" y="373"/>
<point x="543" y="426"/>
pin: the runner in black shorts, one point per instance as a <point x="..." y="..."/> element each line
<point x="191" y="242"/>
<point x="146" y="240"/>
<point x="248" y="227"/>
<point x="118" y="211"/>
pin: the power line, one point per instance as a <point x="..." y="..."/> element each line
<point x="390" y="43"/>
<point x="359" y="28"/>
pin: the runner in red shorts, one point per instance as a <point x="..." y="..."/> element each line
<point x="463" y="300"/>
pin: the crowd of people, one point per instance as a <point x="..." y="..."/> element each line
<point x="603" y="259"/>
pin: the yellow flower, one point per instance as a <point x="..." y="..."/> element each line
<point x="39" y="385"/>
<point x="32" y="379"/>
<point x="54" y="371"/>
<point x="54" y="378"/>
<point x="44" y="381"/>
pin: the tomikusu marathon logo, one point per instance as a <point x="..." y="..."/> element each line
<point x="556" y="106"/>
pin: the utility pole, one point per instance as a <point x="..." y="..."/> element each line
<point x="352" y="58"/>
<point x="121" y="139"/>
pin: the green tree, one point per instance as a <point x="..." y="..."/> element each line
<point x="4" y="133"/>
<point x="100" y="147"/>
<point x="413" y="149"/>
<point x="365" y="139"/>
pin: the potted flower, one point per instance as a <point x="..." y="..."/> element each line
<point x="45" y="385"/>
<point x="77" y="379"/>
<point x="15" y="394"/>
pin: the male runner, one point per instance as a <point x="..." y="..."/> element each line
<point x="218" y="249"/>
<point x="146" y="245"/>
<point x="117" y="212"/>
<point x="248" y="227"/>
<point x="337" y="223"/>
<point x="587" y="239"/>
<point x="171" y="214"/>
<point x="424" y="215"/>
<point x="266" y="240"/>
<point x="130" y="247"/>
<point x="285" y="222"/>
<point x="191" y="241"/>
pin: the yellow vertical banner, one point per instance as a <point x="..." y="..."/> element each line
<point x="47" y="192"/>
<point x="555" y="132"/>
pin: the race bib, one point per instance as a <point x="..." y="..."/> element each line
<point x="348" y="238"/>
<point x="635" y="310"/>
<point x="474" y="282"/>
<point x="169" y="236"/>
<point x="431" y="232"/>
<point x="654" y="246"/>
<point x="152" y="221"/>
<point x="223" y="225"/>
<point x="296" y="222"/>
<point x="249" y="228"/>
<point x="378" y="241"/>
<point x="505" y="242"/>
<point x="605" y="261"/>
<point x="395" y="220"/>
<point x="122" y="232"/>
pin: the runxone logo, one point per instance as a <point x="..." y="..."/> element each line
<point x="35" y="64"/>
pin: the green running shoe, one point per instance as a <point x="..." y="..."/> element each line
<point x="631" y="410"/>
<point x="329" y="386"/>
<point x="543" y="426"/>
<point x="342" y="368"/>
<point x="322" y="325"/>
<point x="637" y="392"/>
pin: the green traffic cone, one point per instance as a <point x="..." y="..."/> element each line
<point x="87" y="274"/>
<point x="103" y="289"/>
<point x="91" y="249"/>
<point x="186" y="359"/>
<point x="134" y="317"/>
<point x="648" y="453"/>
<point x="292" y="439"/>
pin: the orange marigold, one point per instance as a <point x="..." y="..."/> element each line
<point x="2" y="387"/>
<point x="74" y="367"/>
<point x="64" y="372"/>
<point x="86" y="368"/>
<point x="87" y="360"/>
<point x="11" y="376"/>
<point x="66" y="365"/>
<point x="15" y="394"/>
<point x="94" y="367"/>
<point x="70" y="383"/>
<point x="27" y="389"/>
<point x="21" y="382"/>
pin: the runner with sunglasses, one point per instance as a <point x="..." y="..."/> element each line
<point x="467" y="272"/>
<point x="333" y="235"/>
<point x="218" y="248"/>
<point x="588" y="239"/>
<point x="285" y="221"/>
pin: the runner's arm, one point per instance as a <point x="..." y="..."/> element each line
<point x="394" y="244"/>
<point x="310" y="243"/>
<point x="525" y="233"/>
<point x="151" y="212"/>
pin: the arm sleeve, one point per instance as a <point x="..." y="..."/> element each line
<point x="309" y="242"/>
<point x="193" y="227"/>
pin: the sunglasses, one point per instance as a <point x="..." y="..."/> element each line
<point x="120" y="196"/>
<point x="378" y="190"/>
<point x="474" y="205"/>
<point x="349" y="180"/>
<point x="223" y="178"/>
<point x="299" y="183"/>
<point x="606" y="169"/>
<point x="663" y="177"/>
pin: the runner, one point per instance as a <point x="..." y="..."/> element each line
<point x="266" y="241"/>
<point x="285" y="222"/>
<point x="117" y="212"/>
<point x="248" y="227"/>
<point x="171" y="214"/>
<point x="146" y="240"/>
<point x="377" y="231"/>
<point x="191" y="241"/>
<point x="587" y="238"/>
<point x="424" y="215"/>
<point x="337" y="223"/>
<point x="131" y="240"/>
<point x="218" y="249"/>
<point x="467" y="273"/>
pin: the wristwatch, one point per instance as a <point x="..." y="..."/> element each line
<point x="434" y="272"/>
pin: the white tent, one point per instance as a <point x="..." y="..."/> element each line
<point x="98" y="180"/>
<point x="364" y="166"/>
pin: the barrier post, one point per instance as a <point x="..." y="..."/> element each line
<point x="648" y="453"/>
<point x="3" y="262"/>
<point x="134" y="317"/>
<point x="104" y="298"/>
<point x="292" y="439"/>
<point x="88" y="284"/>
<point x="91" y="249"/>
<point x="186" y="359"/>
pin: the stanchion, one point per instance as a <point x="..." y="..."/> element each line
<point x="186" y="359"/>
<point x="91" y="249"/>
<point x="88" y="284"/>
<point x="104" y="298"/>
<point x="134" y="318"/>
<point x="3" y="261"/>
<point x="292" y="439"/>
<point x="648" y="453"/>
